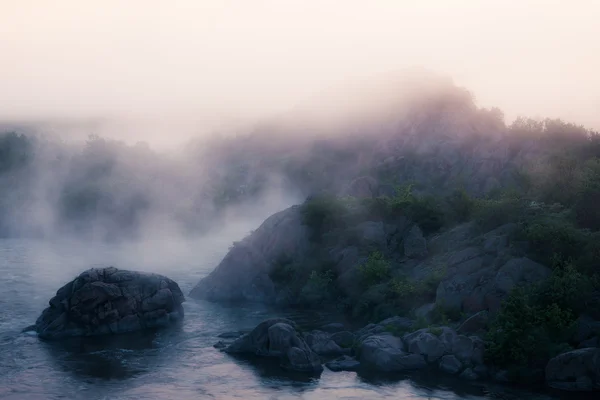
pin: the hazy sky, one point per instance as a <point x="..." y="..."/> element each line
<point x="81" y="58"/>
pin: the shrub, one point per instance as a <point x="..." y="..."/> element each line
<point x="322" y="214"/>
<point x="535" y="322"/>
<point x="491" y="213"/>
<point x="586" y="206"/>
<point x="461" y="205"/>
<point x="375" y="270"/>
<point x="554" y="235"/>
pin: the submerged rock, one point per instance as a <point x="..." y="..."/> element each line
<point x="108" y="301"/>
<point x="278" y="337"/>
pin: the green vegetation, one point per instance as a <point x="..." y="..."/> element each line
<point x="375" y="270"/>
<point x="536" y="322"/>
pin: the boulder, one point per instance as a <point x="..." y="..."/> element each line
<point x="397" y="323"/>
<point x="520" y="271"/>
<point x="469" y="374"/>
<point x="322" y="344"/>
<point x="244" y="273"/>
<point x="385" y="353"/>
<point x="344" y="363"/>
<point x="475" y="323"/>
<point x="415" y="245"/>
<point x="426" y="344"/>
<point x="344" y="339"/>
<point x="110" y="301"/>
<point x="371" y="233"/>
<point x="278" y="338"/>
<point x="450" y="364"/>
<point x="577" y="370"/>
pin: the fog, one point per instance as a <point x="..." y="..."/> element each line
<point x="158" y="85"/>
<point x="177" y="69"/>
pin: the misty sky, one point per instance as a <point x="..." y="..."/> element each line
<point x="72" y="58"/>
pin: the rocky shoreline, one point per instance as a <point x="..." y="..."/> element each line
<point x="380" y="348"/>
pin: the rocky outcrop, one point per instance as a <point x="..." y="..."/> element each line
<point x="107" y="301"/>
<point x="243" y="275"/>
<point x="471" y="286"/>
<point x="577" y="370"/>
<point x="278" y="338"/>
<point x="344" y="363"/>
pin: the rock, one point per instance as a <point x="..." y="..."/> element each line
<point x="332" y="328"/>
<point x="481" y="371"/>
<point x="397" y="323"/>
<point x="111" y="301"/>
<point x="426" y="344"/>
<point x="520" y="270"/>
<point x="462" y="348"/>
<point x="424" y="311"/>
<point x="344" y="339"/>
<point x="344" y="363"/>
<point x="243" y="275"/>
<point x="369" y="330"/>
<point x="415" y="245"/>
<point x="450" y="364"/>
<point x="501" y="376"/>
<point x="322" y="344"/>
<point x="363" y="187"/>
<point x="371" y="234"/>
<point x="220" y="345"/>
<point x="469" y="374"/>
<point x="475" y="323"/>
<point x="385" y="353"/>
<point x="495" y="244"/>
<point x="278" y="338"/>
<point x="592" y="342"/>
<point x="577" y="370"/>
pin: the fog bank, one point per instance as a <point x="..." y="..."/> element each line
<point x="192" y="66"/>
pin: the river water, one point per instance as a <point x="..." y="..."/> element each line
<point x="173" y="364"/>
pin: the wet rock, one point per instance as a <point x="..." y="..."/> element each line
<point x="450" y="364"/>
<point x="110" y="301"/>
<point x="577" y="370"/>
<point x="385" y="353"/>
<point x="344" y="363"/>
<point x="220" y="345"/>
<point x="278" y="338"/>
<point x="322" y="344"/>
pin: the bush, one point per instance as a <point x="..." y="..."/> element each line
<point x="322" y="214"/>
<point x="586" y="206"/>
<point x="535" y="323"/>
<point x="491" y="213"/>
<point x="552" y="235"/>
<point x="461" y="205"/>
<point x="375" y="270"/>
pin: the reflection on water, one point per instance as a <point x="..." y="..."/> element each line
<point x="178" y="363"/>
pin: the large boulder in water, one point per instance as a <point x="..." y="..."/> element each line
<point x="278" y="338"/>
<point x="108" y="300"/>
<point x="243" y="275"/>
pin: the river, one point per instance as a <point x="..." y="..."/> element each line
<point x="173" y="364"/>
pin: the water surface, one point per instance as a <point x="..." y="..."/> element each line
<point x="173" y="364"/>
